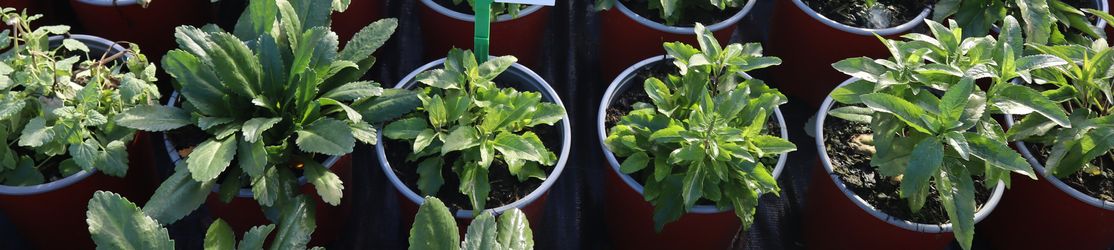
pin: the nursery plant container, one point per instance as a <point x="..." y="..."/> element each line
<point x="630" y="217"/>
<point x="806" y="41"/>
<point x="52" y="215"/>
<point x="533" y="205"/>
<point x="837" y="218"/>
<point x="360" y="13"/>
<point x="1047" y="214"/>
<point x="243" y="211"/>
<point x="626" y="37"/>
<point x="444" y="29"/>
<point x="152" y="27"/>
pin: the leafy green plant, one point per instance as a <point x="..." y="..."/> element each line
<point x="1045" y="21"/>
<point x="932" y="124"/>
<point x="1084" y="86"/>
<point x="498" y="9"/>
<point x="58" y="105"/>
<point x="435" y="228"/>
<point x="673" y="11"/>
<point x="116" y="223"/>
<point x="275" y="100"/>
<point x="465" y="114"/>
<point x="705" y="133"/>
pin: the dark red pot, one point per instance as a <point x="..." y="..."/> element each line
<point x="52" y="215"/>
<point x="630" y="217"/>
<point x="444" y="29"/>
<point x="836" y="218"/>
<point x="243" y="212"/>
<point x="808" y="42"/>
<point x="1049" y="214"/>
<point x="360" y="13"/>
<point x="152" y="28"/>
<point x="626" y="38"/>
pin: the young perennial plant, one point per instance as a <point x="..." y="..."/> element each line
<point x="435" y="228"/>
<point x="466" y="116"/>
<point x="673" y="11"/>
<point x="58" y="105"/>
<point x="1045" y="21"/>
<point x="931" y="123"/>
<point x="705" y="133"/>
<point x="273" y="96"/>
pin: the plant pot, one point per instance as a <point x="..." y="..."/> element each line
<point x="52" y="215"/>
<point x="793" y="38"/>
<point x="152" y="27"/>
<point x="835" y="217"/>
<point x="360" y="13"/>
<point x="626" y="38"/>
<point x="243" y="212"/>
<point x="1047" y="214"/>
<point x="444" y="29"/>
<point x="533" y="205"/>
<point x="630" y="217"/>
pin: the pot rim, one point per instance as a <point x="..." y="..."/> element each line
<point x="472" y="18"/>
<point x="81" y="175"/>
<point x="550" y="180"/>
<point x="905" y="27"/>
<point x="684" y="30"/>
<point x="108" y="3"/>
<point x="244" y="192"/>
<point x="601" y="131"/>
<point x="818" y="130"/>
<point x="1063" y="187"/>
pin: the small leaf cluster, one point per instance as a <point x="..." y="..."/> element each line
<point x="464" y="113"/>
<point x="1084" y="86"/>
<point x="932" y="124"/>
<point x="272" y="96"/>
<point x="705" y="132"/>
<point x="435" y="228"/>
<point x="1044" y="21"/>
<point x="673" y="11"/>
<point x="498" y="9"/>
<point x="117" y="223"/>
<point x="58" y="104"/>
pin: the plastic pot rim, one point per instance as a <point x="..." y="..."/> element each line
<point x="472" y="18"/>
<point x="550" y="180"/>
<point x="683" y="30"/>
<point x="905" y="27"/>
<point x="601" y="131"/>
<point x="1063" y="187"/>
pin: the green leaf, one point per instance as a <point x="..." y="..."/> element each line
<point x="256" y="20"/>
<point x="252" y="157"/>
<point x="773" y="145"/>
<point x="154" y="118"/>
<point x="391" y="105"/>
<point x="853" y="113"/>
<point x="10" y="106"/>
<point x="368" y="40"/>
<point x="424" y="139"/>
<point x="474" y="183"/>
<point x="341" y="5"/>
<point x="351" y="114"/>
<point x="326" y="136"/>
<point x="296" y="224"/>
<point x="514" y="230"/>
<point x="957" y="194"/>
<point x="253" y="129"/>
<point x="220" y="236"/>
<point x="693" y="184"/>
<point x="482" y="233"/>
<point x="634" y="163"/>
<point x="177" y="197"/>
<point x="548" y="114"/>
<point x="1038" y="23"/>
<point x="492" y="68"/>
<point x="328" y="184"/>
<point x="434" y="227"/>
<point x="908" y="112"/>
<point x="354" y="91"/>
<point x="113" y="161"/>
<point x="1081" y="152"/>
<point x="1021" y="100"/>
<point x="253" y="239"/>
<point x="1035" y="62"/>
<point x="958" y="143"/>
<point x="1030" y="125"/>
<point x="406" y="129"/>
<point x="461" y="138"/>
<point x="955" y="101"/>
<point x="429" y="176"/>
<point x="24" y="174"/>
<point x="442" y="79"/>
<point x="850" y="93"/>
<point x="862" y="67"/>
<point x="85" y="154"/>
<point x="363" y="132"/>
<point x="116" y="223"/>
<point x="924" y="163"/>
<point x="210" y="158"/>
<point x="36" y="133"/>
<point x="74" y="45"/>
<point x="514" y="147"/>
<point x="999" y="155"/>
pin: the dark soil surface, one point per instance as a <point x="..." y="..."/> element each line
<point x="464" y="7"/>
<point x="1100" y="186"/>
<point x="690" y="15"/>
<point x="885" y="14"/>
<point x="853" y="168"/>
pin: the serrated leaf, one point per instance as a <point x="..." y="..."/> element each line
<point x="429" y="176"/>
<point x="177" y="197"/>
<point x="1020" y="100"/>
<point x="253" y="239"/>
<point x="354" y="91"/>
<point x="900" y="108"/>
<point x="74" y="45"/>
<point x="368" y="40"/>
<point x="328" y="185"/>
<point x="326" y="136"/>
<point x="389" y="106"/>
<point x="253" y="129"/>
<point x="482" y="234"/>
<point x="999" y="155"/>
<point x="252" y="157"/>
<point x="85" y="154"/>
<point x="958" y="198"/>
<point x="924" y="163"/>
<point x="548" y="114"/>
<point x="116" y="223"/>
<point x="296" y="224"/>
<point x="406" y="129"/>
<point x="219" y="236"/>
<point x="434" y="227"/>
<point x="36" y="133"/>
<point x="209" y="159"/>
<point x="364" y="132"/>
<point x="514" y="230"/>
<point x="773" y="145"/>
<point x="113" y="161"/>
<point x="154" y="118"/>
<point x="200" y="84"/>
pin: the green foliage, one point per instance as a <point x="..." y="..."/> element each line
<point x="1045" y="21"/>
<point x="273" y="96"/>
<point x="498" y="9"/>
<point x="705" y="133"/>
<point x="435" y="228"/>
<point x="465" y="119"/>
<point x="673" y="11"/>
<point x="1085" y="87"/>
<point x="58" y="105"/>
<point x="932" y="123"/>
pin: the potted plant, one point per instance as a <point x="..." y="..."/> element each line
<point x="1044" y="21"/>
<point x="1074" y="162"/>
<point x="914" y="135"/>
<point x="516" y="29"/>
<point x="61" y="95"/>
<point x="491" y="136"/>
<point x="277" y="98"/>
<point x="435" y="228"/>
<point x="699" y="139"/>
<point x="146" y="22"/>
<point x="117" y="223"/>
<point x="850" y="26"/>
<point x="632" y="30"/>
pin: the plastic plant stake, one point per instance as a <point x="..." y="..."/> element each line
<point x="483" y="24"/>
